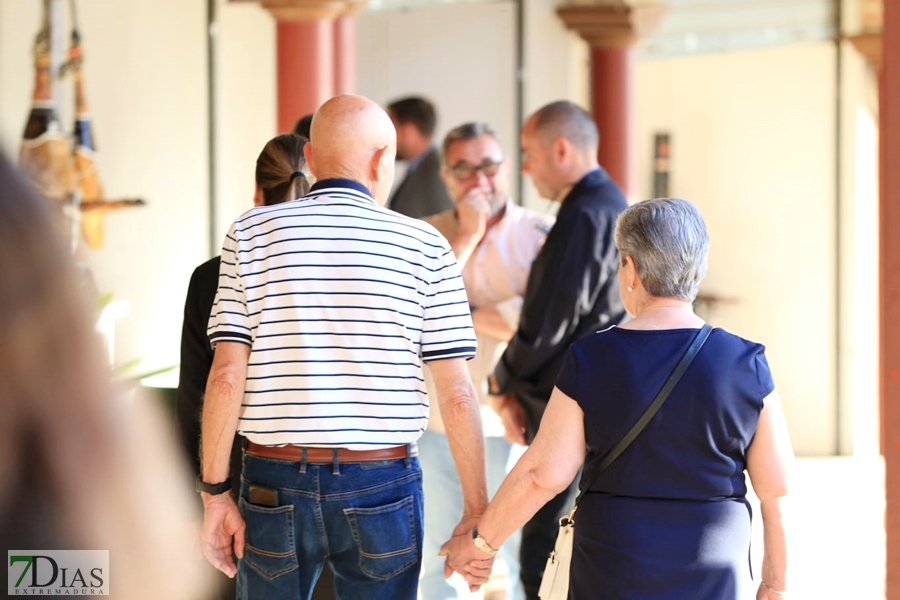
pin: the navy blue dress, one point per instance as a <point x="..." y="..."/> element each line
<point x="669" y="518"/>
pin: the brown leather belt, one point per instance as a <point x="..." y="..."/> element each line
<point x="326" y="455"/>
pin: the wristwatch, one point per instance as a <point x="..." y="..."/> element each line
<point x="481" y="543"/>
<point x="213" y="489"/>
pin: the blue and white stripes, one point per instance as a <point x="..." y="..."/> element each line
<point x="341" y="301"/>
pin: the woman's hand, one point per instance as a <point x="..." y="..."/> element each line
<point x="463" y="557"/>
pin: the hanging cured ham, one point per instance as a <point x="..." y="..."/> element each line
<point x="66" y="174"/>
<point x="87" y="182"/>
<point x="45" y="155"/>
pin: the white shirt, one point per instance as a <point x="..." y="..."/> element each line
<point x="495" y="275"/>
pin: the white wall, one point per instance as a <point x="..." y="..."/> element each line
<point x="860" y="429"/>
<point x="464" y="57"/>
<point x="753" y="145"/>
<point x="247" y="104"/>
<point x="753" y="142"/>
<point x="557" y="67"/>
<point x="461" y="57"/>
<point x="145" y="74"/>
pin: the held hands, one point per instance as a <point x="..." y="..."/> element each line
<point x="223" y="529"/>
<point x="463" y="557"/>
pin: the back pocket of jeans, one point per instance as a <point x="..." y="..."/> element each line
<point x="269" y="547"/>
<point x="386" y="538"/>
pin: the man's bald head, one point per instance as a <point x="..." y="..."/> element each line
<point x="353" y="138"/>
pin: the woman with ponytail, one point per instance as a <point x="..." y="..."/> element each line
<point x="281" y="175"/>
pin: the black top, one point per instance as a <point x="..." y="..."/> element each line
<point x="196" y="361"/>
<point x="422" y="192"/>
<point x="572" y="291"/>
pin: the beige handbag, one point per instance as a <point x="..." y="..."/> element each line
<point x="555" y="583"/>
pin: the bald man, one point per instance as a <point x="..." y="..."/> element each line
<point x="326" y="309"/>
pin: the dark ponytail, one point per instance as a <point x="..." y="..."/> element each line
<point x="281" y="171"/>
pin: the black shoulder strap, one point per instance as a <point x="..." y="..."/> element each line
<point x="651" y="411"/>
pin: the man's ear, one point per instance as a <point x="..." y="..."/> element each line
<point x="561" y="149"/>
<point x="379" y="163"/>
<point x="308" y="156"/>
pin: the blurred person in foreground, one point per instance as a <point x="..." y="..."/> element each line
<point x="281" y="175"/>
<point x="82" y="466"/>
<point x="326" y="310"/>
<point x="495" y="242"/>
<point x="669" y="519"/>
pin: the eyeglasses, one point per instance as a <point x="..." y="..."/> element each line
<point x="464" y="170"/>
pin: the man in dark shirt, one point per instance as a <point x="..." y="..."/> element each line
<point x="572" y="291"/>
<point x="422" y="192"/>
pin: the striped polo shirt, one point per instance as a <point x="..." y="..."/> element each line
<point x="341" y="301"/>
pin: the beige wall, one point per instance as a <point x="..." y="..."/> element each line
<point x="461" y="57"/>
<point x="753" y="142"/>
<point x="144" y="69"/>
<point x="557" y="66"/>
<point x="246" y="104"/>
<point x="753" y="145"/>
<point x="860" y="430"/>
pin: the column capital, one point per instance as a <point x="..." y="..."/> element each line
<point x="310" y="10"/>
<point x="611" y="23"/>
<point x="868" y="44"/>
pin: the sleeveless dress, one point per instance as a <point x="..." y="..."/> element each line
<point x="669" y="518"/>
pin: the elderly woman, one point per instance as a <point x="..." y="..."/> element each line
<point x="669" y="518"/>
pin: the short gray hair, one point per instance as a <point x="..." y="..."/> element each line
<point x="667" y="239"/>
<point x="468" y="131"/>
<point x="565" y="119"/>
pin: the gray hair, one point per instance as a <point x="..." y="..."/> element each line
<point x="667" y="239"/>
<point x="468" y="131"/>
<point x="565" y="119"/>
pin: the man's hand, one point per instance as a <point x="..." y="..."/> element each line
<point x="474" y="210"/>
<point x="463" y="557"/>
<point x="511" y="413"/>
<point x="223" y="529"/>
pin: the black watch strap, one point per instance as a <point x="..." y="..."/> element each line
<point x="213" y="489"/>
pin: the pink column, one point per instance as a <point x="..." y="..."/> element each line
<point x="889" y="126"/>
<point x="345" y="55"/>
<point x="305" y="68"/>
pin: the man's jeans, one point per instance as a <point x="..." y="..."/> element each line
<point x="365" y="518"/>
<point x="443" y="509"/>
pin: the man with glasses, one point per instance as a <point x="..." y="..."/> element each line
<point x="495" y="242"/>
